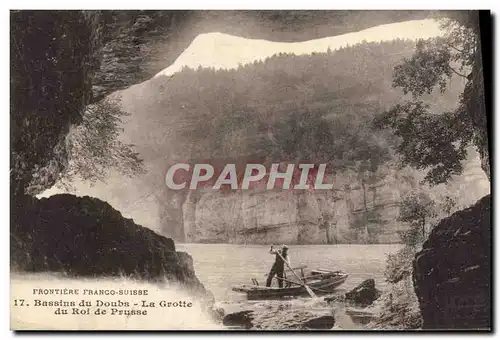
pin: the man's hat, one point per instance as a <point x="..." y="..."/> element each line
<point x="284" y="247"/>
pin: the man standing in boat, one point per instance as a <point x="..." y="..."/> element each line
<point x="278" y="268"/>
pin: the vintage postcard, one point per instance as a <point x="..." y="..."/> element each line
<point x="250" y="170"/>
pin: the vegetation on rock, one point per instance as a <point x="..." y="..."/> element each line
<point x="94" y="147"/>
<point x="430" y="138"/>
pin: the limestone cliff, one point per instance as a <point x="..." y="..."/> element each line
<point x="336" y="216"/>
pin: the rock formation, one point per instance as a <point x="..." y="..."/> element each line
<point x="281" y="316"/>
<point x="86" y="237"/>
<point x="329" y="217"/>
<point x="239" y="319"/>
<point x="452" y="272"/>
<point x="322" y="322"/>
<point x="364" y="294"/>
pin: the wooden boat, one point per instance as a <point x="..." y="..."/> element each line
<point x="321" y="281"/>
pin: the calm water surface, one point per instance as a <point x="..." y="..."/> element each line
<point x="221" y="266"/>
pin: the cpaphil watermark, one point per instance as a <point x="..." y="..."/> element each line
<point x="181" y="176"/>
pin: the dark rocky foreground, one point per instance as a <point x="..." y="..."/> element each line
<point x="339" y="311"/>
<point x="452" y="272"/>
<point x="297" y="314"/>
<point x="86" y="237"/>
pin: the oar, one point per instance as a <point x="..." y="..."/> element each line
<point x="309" y="290"/>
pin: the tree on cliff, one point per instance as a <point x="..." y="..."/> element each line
<point x="94" y="148"/>
<point x="438" y="141"/>
<point x="417" y="210"/>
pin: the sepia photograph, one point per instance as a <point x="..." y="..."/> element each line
<point x="250" y="170"/>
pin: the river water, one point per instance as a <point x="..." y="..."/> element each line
<point x="221" y="266"/>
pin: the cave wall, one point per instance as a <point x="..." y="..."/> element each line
<point x="452" y="272"/>
<point x="53" y="55"/>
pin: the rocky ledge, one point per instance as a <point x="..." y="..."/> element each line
<point x="86" y="237"/>
<point x="452" y="272"/>
<point x="281" y="315"/>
